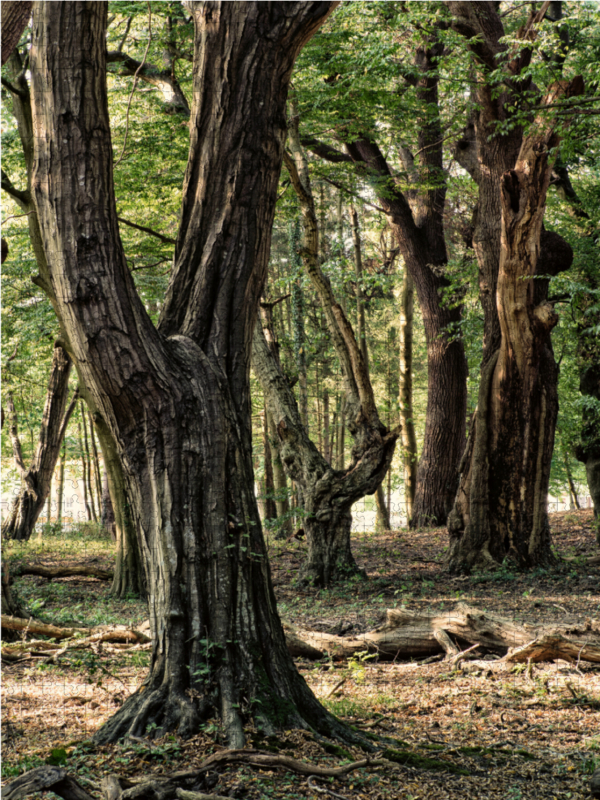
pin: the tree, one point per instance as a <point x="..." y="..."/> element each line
<point x="128" y="576"/>
<point x="175" y="397"/>
<point x="327" y="494"/>
<point x="413" y="200"/>
<point x="29" y="503"/>
<point x="501" y="505"/>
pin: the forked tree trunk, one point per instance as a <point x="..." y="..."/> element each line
<point x="327" y="494"/>
<point x="29" y="503"/>
<point x="177" y="399"/>
<point x="501" y="506"/>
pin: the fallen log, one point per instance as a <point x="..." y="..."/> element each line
<point x="39" y="628"/>
<point x="112" y="634"/>
<point x="415" y="634"/>
<point x="76" y="570"/>
<point x="43" y="779"/>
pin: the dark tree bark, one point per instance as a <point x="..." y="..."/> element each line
<point x="176" y="398"/>
<point x="29" y="503"/>
<point x="269" y="484"/>
<point x="405" y="394"/>
<point x="15" y="16"/>
<point x="327" y="494"/>
<point x="418" y="225"/>
<point x="501" y="505"/>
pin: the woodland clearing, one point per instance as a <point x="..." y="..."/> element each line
<point x="444" y="730"/>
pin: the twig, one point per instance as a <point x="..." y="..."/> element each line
<point x="314" y="786"/>
<point x="17" y="216"/>
<point x="135" y="79"/>
<point x="335" y="688"/>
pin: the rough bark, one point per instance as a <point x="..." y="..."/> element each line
<point x="15" y="16"/>
<point x="29" y="503"/>
<point x="500" y="509"/>
<point x="327" y="494"/>
<point x="177" y="399"/>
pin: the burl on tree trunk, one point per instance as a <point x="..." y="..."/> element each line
<point x="501" y="505"/>
<point x="176" y="399"/>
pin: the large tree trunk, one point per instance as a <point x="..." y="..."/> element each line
<point x="15" y="16"/>
<point x="177" y="400"/>
<point x="29" y="503"/>
<point x="327" y="494"/>
<point x="501" y="506"/>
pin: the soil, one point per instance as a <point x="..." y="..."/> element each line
<point x="511" y="732"/>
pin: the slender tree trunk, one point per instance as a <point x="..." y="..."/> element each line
<point x="501" y="506"/>
<point x="282" y="502"/>
<point x="129" y="578"/>
<point x="61" y="482"/>
<point x="107" y="515"/>
<point x="382" y="520"/>
<point x="269" y="484"/>
<point x="87" y="465"/>
<point x="405" y="399"/>
<point x="86" y="503"/>
<point x="326" y="439"/>
<point x="49" y="504"/>
<point x="360" y="300"/>
<point x="29" y="503"/>
<point x="96" y="465"/>
<point x="572" y="488"/>
<point x="176" y="399"/>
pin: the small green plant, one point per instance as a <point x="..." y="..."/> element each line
<point x="356" y="665"/>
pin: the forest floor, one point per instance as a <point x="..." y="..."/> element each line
<point x="515" y="733"/>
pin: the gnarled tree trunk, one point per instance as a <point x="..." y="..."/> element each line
<point x="29" y="503"/>
<point x="327" y="494"/>
<point x="176" y="398"/>
<point x="501" y="506"/>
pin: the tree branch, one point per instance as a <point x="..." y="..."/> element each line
<point x="165" y="239"/>
<point x="13" y="89"/>
<point x="324" y="151"/>
<point x="22" y="198"/>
